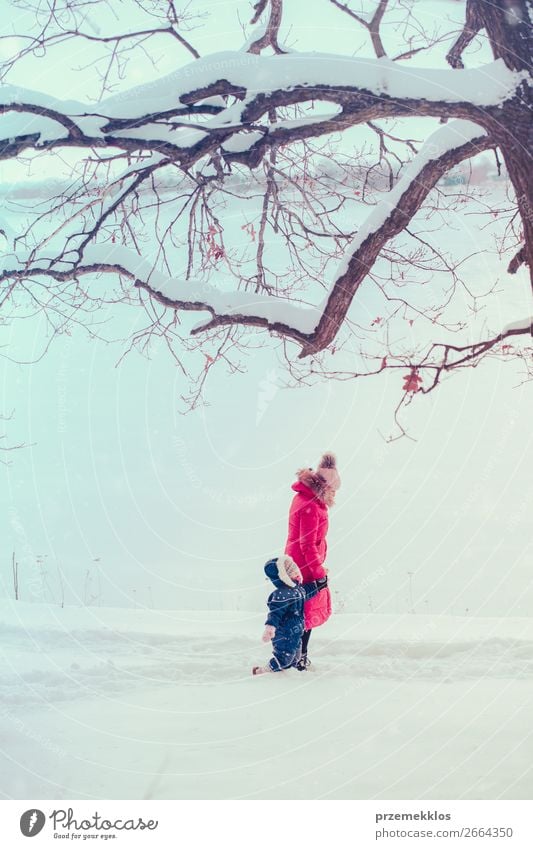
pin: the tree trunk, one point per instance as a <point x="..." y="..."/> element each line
<point x="507" y="25"/>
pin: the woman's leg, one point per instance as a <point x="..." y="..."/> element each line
<point x="305" y="640"/>
<point x="303" y="663"/>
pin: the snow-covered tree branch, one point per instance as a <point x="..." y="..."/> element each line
<point x="264" y="185"/>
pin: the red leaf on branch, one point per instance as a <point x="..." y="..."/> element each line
<point x="384" y="363"/>
<point x="214" y="251"/>
<point x="413" y="381"/>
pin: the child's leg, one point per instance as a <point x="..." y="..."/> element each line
<point x="297" y="655"/>
<point x="284" y="654"/>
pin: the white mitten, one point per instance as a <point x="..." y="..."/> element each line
<point x="268" y="634"/>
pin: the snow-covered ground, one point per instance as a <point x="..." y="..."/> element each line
<point x="125" y="704"/>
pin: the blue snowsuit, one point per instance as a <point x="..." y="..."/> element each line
<point x="286" y="614"/>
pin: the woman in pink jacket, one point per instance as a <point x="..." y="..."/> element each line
<point x="306" y="542"/>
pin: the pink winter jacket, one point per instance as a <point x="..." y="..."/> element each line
<point x="306" y="544"/>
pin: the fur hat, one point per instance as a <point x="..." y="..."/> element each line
<point x="327" y="469"/>
<point x="283" y="569"/>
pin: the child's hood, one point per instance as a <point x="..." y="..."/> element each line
<point x="276" y="570"/>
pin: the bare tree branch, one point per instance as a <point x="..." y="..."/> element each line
<point x="270" y="36"/>
<point x="473" y="24"/>
<point x="372" y="26"/>
<point x="364" y="256"/>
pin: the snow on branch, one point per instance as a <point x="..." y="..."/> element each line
<point x="524" y="325"/>
<point x="446" y="147"/>
<point x="275" y="314"/>
<point x="145" y="116"/>
<point x="489" y="85"/>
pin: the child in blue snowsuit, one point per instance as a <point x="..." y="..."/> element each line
<point x="285" y="620"/>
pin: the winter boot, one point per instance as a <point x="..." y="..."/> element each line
<point x="260" y="670"/>
<point x="303" y="663"/>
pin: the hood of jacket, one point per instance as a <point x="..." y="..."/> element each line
<point x="312" y="485"/>
<point x="275" y="569"/>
